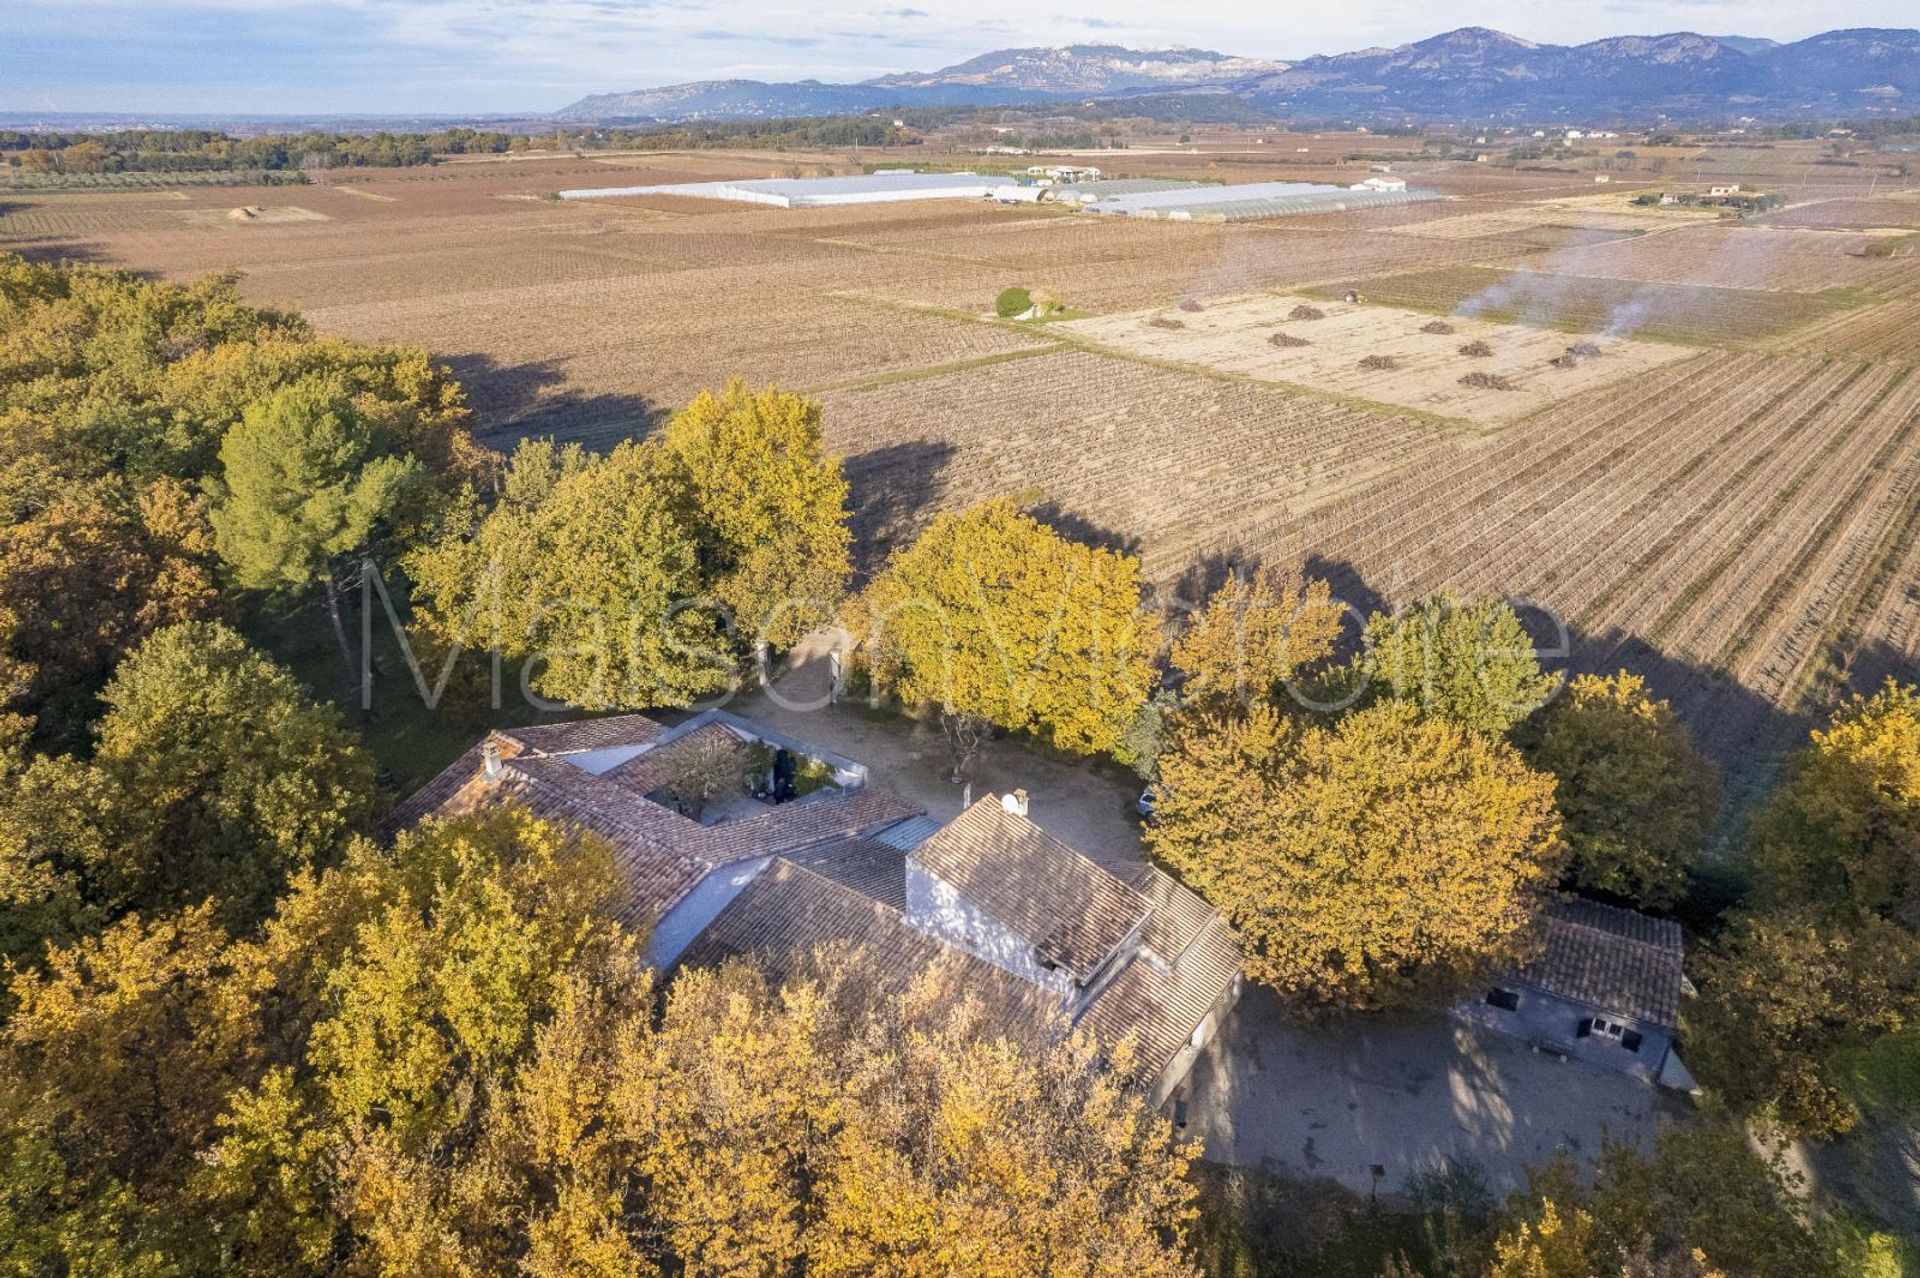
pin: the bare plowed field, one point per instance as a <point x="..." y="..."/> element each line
<point x="1723" y="530"/>
<point x="1095" y="441"/>
<point x="1239" y="336"/>
<point x="1747" y="257"/>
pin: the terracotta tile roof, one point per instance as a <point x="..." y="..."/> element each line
<point x="587" y="734"/>
<point x="1158" y="1005"/>
<point x="1073" y="912"/>
<point x="571" y="737"/>
<point x="1178" y="915"/>
<point x="647" y="772"/>
<point x="789" y="913"/>
<point x="870" y="867"/>
<point x="430" y="797"/>
<point x="662" y="853"/>
<point x="1611" y="959"/>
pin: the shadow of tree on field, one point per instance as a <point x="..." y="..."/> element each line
<point x="512" y="402"/>
<point x="895" y="490"/>
<point x="1079" y="528"/>
<point x="71" y="253"/>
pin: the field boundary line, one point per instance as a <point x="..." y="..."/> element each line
<point x="935" y="370"/>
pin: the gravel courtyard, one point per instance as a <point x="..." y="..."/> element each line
<point x="1401" y="1095"/>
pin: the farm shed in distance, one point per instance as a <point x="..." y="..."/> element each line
<point x="801" y="193"/>
<point x="1248" y="202"/>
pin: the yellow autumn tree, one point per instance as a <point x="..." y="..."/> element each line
<point x="993" y="616"/>
<point x="1390" y="859"/>
<point x="1256" y="633"/>
<point x="768" y="507"/>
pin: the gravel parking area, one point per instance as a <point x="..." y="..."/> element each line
<point x="1401" y="1096"/>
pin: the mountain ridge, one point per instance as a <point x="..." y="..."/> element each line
<point x="1470" y="72"/>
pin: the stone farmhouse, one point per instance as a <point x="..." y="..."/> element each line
<point x="1605" y="989"/>
<point x="780" y="871"/>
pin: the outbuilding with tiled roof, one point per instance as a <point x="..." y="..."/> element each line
<point x="1605" y="988"/>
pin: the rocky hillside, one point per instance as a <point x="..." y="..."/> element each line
<point x="1473" y="73"/>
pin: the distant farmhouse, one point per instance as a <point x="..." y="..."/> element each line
<point x="780" y="870"/>
<point x="1605" y="990"/>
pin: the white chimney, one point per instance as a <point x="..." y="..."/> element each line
<point x="1014" y="804"/>
<point x="490" y="758"/>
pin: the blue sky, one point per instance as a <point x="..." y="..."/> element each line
<point x="459" y="56"/>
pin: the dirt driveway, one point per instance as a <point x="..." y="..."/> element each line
<point x="1402" y="1096"/>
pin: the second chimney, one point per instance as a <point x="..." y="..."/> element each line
<point x="490" y="758"/>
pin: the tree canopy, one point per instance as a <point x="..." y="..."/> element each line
<point x="214" y="776"/>
<point x="993" y="615"/>
<point x="1825" y="962"/>
<point x="1637" y="797"/>
<point x="767" y="506"/>
<point x="1703" y="1203"/>
<point x="587" y="572"/>
<point x="448" y="1059"/>
<point x="304" y="482"/>
<point x="116" y="394"/>
<point x="1257" y="633"/>
<point x="1470" y="661"/>
<point x="1383" y="861"/>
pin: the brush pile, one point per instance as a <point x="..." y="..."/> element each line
<point x="1478" y="350"/>
<point x="1379" y="363"/>
<point x="1287" y="341"/>
<point x="1305" y="312"/>
<point x="1439" y="328"/>
<point x="1486" y="381"/>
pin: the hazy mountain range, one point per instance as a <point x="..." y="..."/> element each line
<point x="1470" y="73"/>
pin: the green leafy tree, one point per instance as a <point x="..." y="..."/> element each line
<point x="1472" y="662"/>
<point x="1826" y="962"/>
<point x="1704" y="1203"/>
<point x="1011" y="302"/>
<point x="993" y="616"/>
<point x="305" y="485"/>
<point x="768" y="508"/>
<point x="1786" y="993"/>
<point x="214" y="777"/>
<point x="589" y="572"/>
<point x="1389" y="860"/>
<point x="234" y="777"/>
<point x="1637" y="797"/>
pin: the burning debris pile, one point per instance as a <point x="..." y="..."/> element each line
<point x="1191" y="305"/>
<point x="1576" y="355"/>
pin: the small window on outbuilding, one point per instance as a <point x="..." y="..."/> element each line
<point x="1505" y="1000"/>
<point x="1631" y="1040"/>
